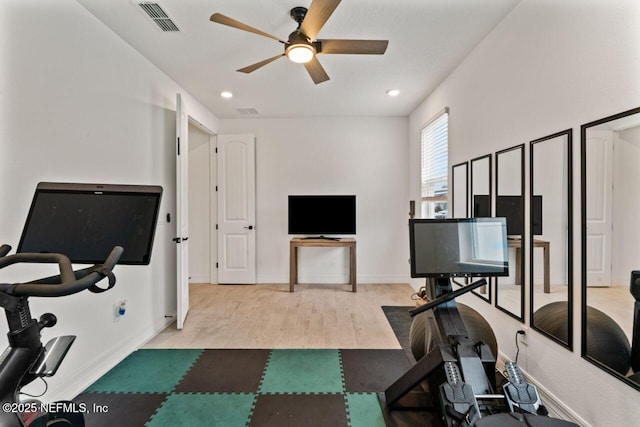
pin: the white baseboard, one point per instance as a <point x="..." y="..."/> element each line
<point x="334" y="278"/>
<point x="554" y="405"/>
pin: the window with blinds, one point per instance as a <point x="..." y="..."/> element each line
<point x="435" y="146"/>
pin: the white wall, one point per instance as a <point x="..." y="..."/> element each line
<point x="80" y="105"/>
<point x="356" y="155"/>
<point x="548" y="66"/>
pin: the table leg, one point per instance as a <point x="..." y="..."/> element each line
<point x="547" y="286"/>
<point x="293" y="266"/>
<point x="352" y="267"/>
<point x="518" y="266"/>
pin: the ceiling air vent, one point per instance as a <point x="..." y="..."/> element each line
<point x="247" y="111"/>
<point x="157" y="14"/>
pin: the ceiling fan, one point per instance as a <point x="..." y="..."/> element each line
<point x="301" y="46"/>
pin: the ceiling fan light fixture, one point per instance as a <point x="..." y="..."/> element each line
<point x="300" y="53"/>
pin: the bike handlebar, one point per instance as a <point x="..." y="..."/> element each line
<point x="67" y="282"/>
<point x="4" y="250"/>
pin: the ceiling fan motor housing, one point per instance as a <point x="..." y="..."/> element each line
<point x="298" y="38"/>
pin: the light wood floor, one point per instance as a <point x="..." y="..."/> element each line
<point x="269" y="316"/>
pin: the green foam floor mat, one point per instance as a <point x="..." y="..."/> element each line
<point x="245" y="388"/>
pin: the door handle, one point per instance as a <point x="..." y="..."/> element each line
<point x="249" y="227"/>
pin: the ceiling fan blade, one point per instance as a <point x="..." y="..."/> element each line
<point x="225" y="20"/>
<point x="362" y="47"/>
<point x="317" y="15"/>
<point x="315" y="70"/>
<point x="257" y="65"/>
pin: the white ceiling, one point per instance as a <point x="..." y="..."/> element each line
<point x="427" y="40"/>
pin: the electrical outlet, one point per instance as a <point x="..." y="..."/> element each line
<point x="119" y="310"/>
<point x="522" y="337"/>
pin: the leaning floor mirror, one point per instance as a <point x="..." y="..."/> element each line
<point x="481" y="204"/>
<point x="510" y="204"/>
<point x="550" y="237"/>
<point x="610" y="184"/>
<point x="460" y="190"/>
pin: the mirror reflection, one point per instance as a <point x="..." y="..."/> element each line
<point x="550" y="237"/>
<point x="610" y="236"/>
<point x="510" y="204"/>
<point x="481" y="204"/>
<point x="460" y="190"/>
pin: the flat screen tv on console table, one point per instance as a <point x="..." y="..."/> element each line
<point x="315" y="217"/>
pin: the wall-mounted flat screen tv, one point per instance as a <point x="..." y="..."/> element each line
<point x="322" y="214"/>
<point x="511" y="208"/>
<point x="85" y="221"/>
<point x="463" y="247"/>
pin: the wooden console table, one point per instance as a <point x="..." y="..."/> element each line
<point x="297" y="242"/>
<point x="517" y="244"/>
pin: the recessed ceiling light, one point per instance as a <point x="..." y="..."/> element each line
<point x="226" y="94"/>
<point x="393" y="92"/>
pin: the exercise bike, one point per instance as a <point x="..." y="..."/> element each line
<point x="26" y="359"/>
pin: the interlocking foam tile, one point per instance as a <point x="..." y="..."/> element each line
<point x="372" y="370"/>
<point x="364" y="410"/>
<point x="400" y="321"/>
<point x="204" y="409"/>
<point x="226" y="371"/>
<point x="108" y="410"/>
<point x="303" y="371"/>
<point x="309" y="410"/>
<point x="147" y="371"/>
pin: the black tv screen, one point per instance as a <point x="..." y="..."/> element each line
<point x="85" y="221"/>
<point x="322" y="214"/>
<point x="463" y="247"/>
<point x="510" y="207"/>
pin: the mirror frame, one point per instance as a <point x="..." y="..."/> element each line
<point x="523" y="242"/>
<point x="464" y="165"/>
<point x="569" y="134"/>
<point x="489" y="157"/>
<point x="583" y="230"/>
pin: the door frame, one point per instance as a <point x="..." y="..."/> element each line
<point x="213" y="209"/>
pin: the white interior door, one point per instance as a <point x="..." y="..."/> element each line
<point x="236" y="209"/>
<point x="599" y="206"/>
<point x="182" y="211"/>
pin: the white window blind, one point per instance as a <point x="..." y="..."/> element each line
<point x="435" y="147"/>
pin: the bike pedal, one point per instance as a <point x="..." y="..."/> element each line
<point x="457" y="394"/>
<point x="518" y="392"/>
